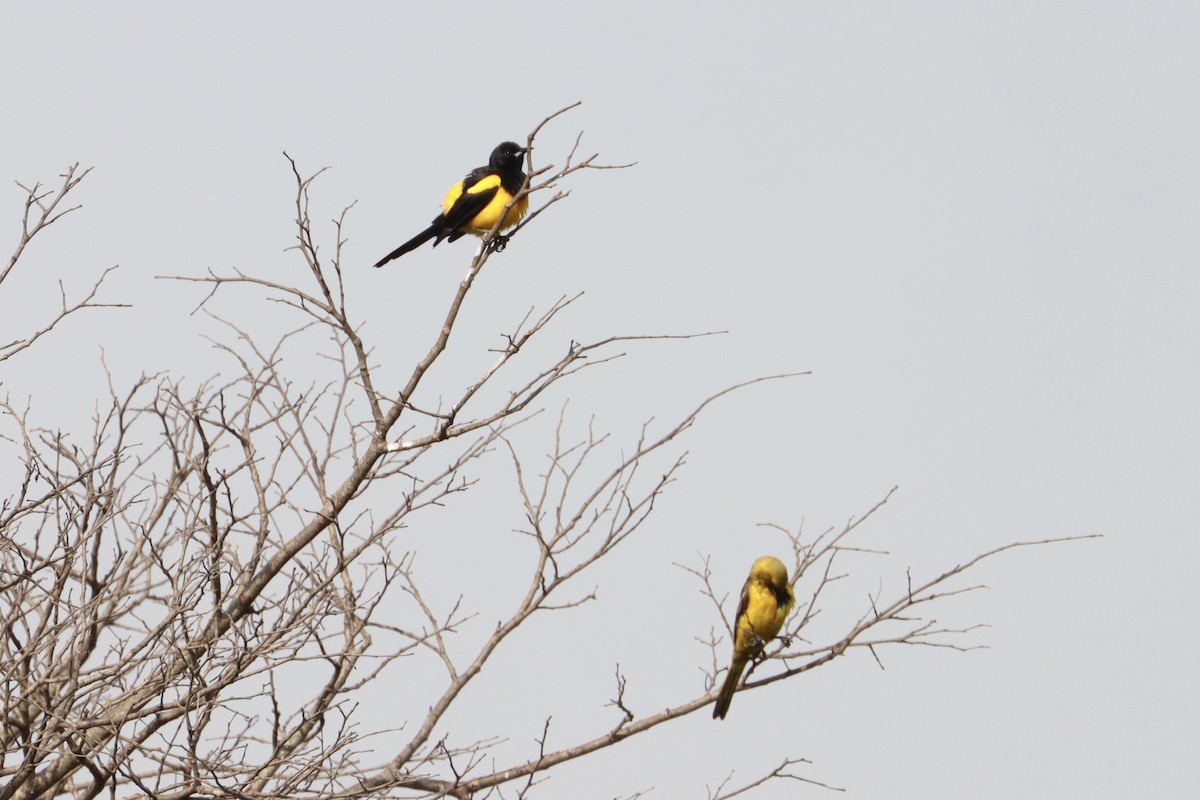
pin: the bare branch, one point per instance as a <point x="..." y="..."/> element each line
<point x="46" y="202"/>
<point x="42" y="209"/>
<point x="779" y="772"/>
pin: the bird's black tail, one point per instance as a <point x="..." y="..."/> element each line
<point x="412" y="244"/>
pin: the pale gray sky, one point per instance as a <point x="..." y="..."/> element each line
<point x="974" y="222"/>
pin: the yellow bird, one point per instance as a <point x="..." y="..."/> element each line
<point x="767" y="599"/>
<point x="474" y="204"/>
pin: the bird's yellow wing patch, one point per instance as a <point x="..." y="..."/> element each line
<point x="485" y="219"/>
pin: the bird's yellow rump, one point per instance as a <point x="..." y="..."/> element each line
<point x="767" y="599"/>
<point x="475" y="204"/>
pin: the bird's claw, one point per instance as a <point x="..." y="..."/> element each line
<point x="499" y="242"/>
<point x="757" y="646"/>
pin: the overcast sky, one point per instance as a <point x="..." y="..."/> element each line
<point x="975" y="223"/>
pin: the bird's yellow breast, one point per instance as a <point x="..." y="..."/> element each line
<point x="764" y="614"/>
<point x="486" y="219"/>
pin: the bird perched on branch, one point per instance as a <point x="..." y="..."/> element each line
<point x="475" y="204"/>
<point x="767" y="599"/>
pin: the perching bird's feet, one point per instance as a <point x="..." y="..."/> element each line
<point x="498" y="243"/>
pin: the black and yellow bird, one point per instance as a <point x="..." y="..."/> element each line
<point x="767" y="599"/>
<point x="475" y="204"/>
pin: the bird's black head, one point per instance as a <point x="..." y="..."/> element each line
<point x="506" y="156"/>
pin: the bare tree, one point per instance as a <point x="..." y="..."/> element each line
<point x="163" y="583"/>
